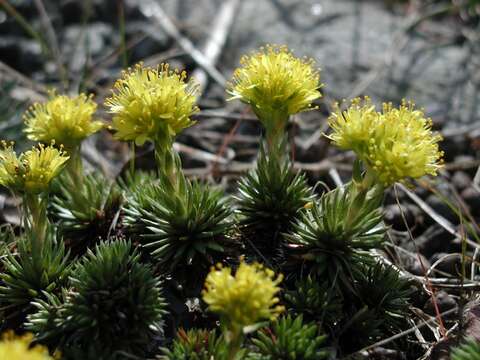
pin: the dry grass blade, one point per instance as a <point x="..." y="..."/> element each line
<point x="151" y="9"/>
<point x="476" y="180"/>
<point x="400" y="335"/>
<point x="447" y="225"/>
<point x="428" y="285"/>
<point x="8" y="73"/>
<point x="52" y="39"/>
<point x="219" y="33"/>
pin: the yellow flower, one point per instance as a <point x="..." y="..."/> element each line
<point x="151" y="104"/>
<point x="276" y="83"/>
<point x="397" y="143"/>
<point x="18" y="348"/>
<point x="65" y="120"/>
<point x="243" y="299"/>
<point x="354" y="127"/>
<point x="33" y="170"/>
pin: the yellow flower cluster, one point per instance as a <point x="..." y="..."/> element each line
<point x="397" y="143"/>
<point x="151" y="104"/>
<point x="65" y="120"/>
<point x="18" y="348"/>
<point x="243" y="299"/>
<point x="276" y="83"/>
<point x="33" y="170"/>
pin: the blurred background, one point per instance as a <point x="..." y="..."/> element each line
<point x="425" y="51"/>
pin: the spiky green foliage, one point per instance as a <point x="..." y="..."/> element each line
<point x="196" y="344"/>
<point x="315" y="299"/>
<point x="381" y="288"/>
<point x="7" y="236"/>
<point x="270" y="199"/>
<point x="334" y="236"/>
<point x="45" y="320"/>
<point x="133" y="181"/>
<point x="290" y="338"/>
<point x="114" y="306"/>
<point x="376" y="308"/>
<point x="86" y="215"/>
<point x="183" y="226"/>
<point x="470" y="350"/>
<point x="27" y="276"/>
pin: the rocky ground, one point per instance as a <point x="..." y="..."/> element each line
<point x="387" y="50"/>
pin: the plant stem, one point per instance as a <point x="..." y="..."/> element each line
<point x="74" y="167"/>
<point x="36" y="220"/>
<point x="275" y="136"/>
<point x="234" y="343"/>
<point x="167" y="162"/>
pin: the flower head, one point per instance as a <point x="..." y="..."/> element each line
<point x="354" y="127"/>
<point x="33" y="170"/>
<point x="151" y="104"/>
<point x="19" y="348"/>
<point x="276" y="83"/>
<point x="397" y="143"/>
<point x="244" y="298"/>
<point x="63" y="119"/>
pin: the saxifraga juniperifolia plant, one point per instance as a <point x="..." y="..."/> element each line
<point x="84" y="206"/>
<point x="334" y="236"/>
<point x="276" y="85"/>
<point x="112" y="310"/>
<point x="183" y="224"/>
<point x="39" y="262"/>
<point x="393" y="145"/>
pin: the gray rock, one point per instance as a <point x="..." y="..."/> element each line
<point x="461" y="180"/>
<point x="81" y="41"/>
<point x="416" y="264"/>
<point x="444" y="302"/>
<point x="435" y="239"/>
<point x="353" y="41"/>
<point x="441" y="208"/>
<point x="393" y="216"/>
<point x="471" y="197"/>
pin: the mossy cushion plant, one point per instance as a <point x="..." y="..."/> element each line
<point x="29" y="276"/>
<point x="183" y="229"/>
<point x="87" y="215"/>
<point x="315" y="299"/>
<point x="290" y="339"/>
<point x="270" y="198"/>
<point x="113" y="307"/>
<point x="333" y="237"/>
<point x="469" y="350"/>
<point x="272" y="271"/>
<point x="196" y="344"/>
